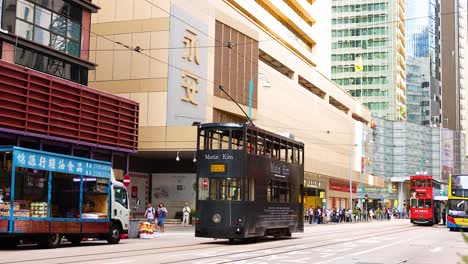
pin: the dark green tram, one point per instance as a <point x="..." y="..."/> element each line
<point x="249" y="182"/>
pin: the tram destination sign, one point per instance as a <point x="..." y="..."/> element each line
<point x="218" y="168"/>
<point x="40" y="160"/>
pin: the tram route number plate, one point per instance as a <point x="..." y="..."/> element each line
<point x="218" y="168"/>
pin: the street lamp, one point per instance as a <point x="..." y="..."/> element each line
<point x="251" y="86"/>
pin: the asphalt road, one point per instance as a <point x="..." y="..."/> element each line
<point x="395" y="241"/>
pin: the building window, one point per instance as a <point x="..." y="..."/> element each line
<point x="56" y="24"/>
<point x="51" y="65"/>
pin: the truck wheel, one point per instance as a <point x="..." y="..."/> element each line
<point x="50" y="241"/>
<point x="114" y="235"/>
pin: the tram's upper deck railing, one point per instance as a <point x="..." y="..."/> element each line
<point x="253" y="140"/>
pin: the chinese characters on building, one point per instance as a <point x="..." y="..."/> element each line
<point x="191" y="55"/>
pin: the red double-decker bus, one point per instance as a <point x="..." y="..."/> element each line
<point x="424" y="209"/>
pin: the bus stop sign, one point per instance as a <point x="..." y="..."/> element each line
<point x="126" y="180"/>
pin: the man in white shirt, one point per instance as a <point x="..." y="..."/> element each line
<point x="186" y="215"/>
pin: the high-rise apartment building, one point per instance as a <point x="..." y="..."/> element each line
<point x="454" y="76"/>
<point x="423" y="73"/>
<point x="373" y="33"/>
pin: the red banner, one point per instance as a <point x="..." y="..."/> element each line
<point x="340" y="187"/>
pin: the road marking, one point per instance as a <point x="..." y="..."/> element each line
<point x="435" y="250"/>
<point x="376" y="248"/>
<point x="120" y="262"/>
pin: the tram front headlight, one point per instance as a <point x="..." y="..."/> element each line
<point x="216" y="218"/>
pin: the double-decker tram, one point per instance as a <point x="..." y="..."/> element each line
<point x="250" y="182"/>
<point x="457" y="213"/>
<point x="425" y="210"/>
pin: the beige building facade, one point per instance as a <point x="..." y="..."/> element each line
<point x="172" y="55"/>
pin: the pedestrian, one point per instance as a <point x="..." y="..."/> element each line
<point x="318" y="216"/>
<point x="162" y="212"/>
<point x="150" y="213"/>
<point x="185" y="215"/>
<point x="443" y="216"/>
<point x="311" y="214"/>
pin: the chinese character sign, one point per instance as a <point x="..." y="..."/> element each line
<point x="40" y="160"/>
<point x="188" y="85"/>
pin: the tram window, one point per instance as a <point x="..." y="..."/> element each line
<point x="283" y="151"/>
<point x="428" y="203"/>
<point x="290" y="153"/>
<point x="233" y="188"/>
<point x="201" y="144"/>
<point x="278" y="192"/>
<point x="250" y="189"/>
<point x="420" y="203"/>
<point x="301" y="155"/>
<point x="276" y="149"/>
<point x="237" y="141"/>
<point x="414" y="203"/>
<point x="219" y="189"/>
<point x="413" y="183"/>
<point x="268" y="146"/>
<point x="284" y="192"/>
<point x="203" y="188"/>
<point x="429" y="183"/>
<point x="251" y="145"/>
<point x="261" y="144"/>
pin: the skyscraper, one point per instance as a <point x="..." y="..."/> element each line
<point x="423" y="73"/>
<point x="454" y="71"/>
<point x="374" y="33"/>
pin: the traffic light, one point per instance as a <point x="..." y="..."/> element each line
<point x="205" y="183"/>
<point x="404" y="203"/>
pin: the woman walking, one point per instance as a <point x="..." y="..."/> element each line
<point x="162" y="212"/>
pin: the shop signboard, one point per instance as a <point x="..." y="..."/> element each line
<point x="40" y="160"/>
<point x="340" y="188"/>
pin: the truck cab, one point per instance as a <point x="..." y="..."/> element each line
<point x="120" y="209"/>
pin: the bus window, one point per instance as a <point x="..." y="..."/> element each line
<point x="428" y="203"/>
<point x="420" y="183"/>
<point x="429" y="183"/>
<point x="420" y="203"/>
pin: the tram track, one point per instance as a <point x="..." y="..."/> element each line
<point x="108" y="255"/>
<point x="205" y="258"/>
<point x="209" y="245"/>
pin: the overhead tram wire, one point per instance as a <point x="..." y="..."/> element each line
<point x="164" y="62"/>
<point x="232" y="99"/>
